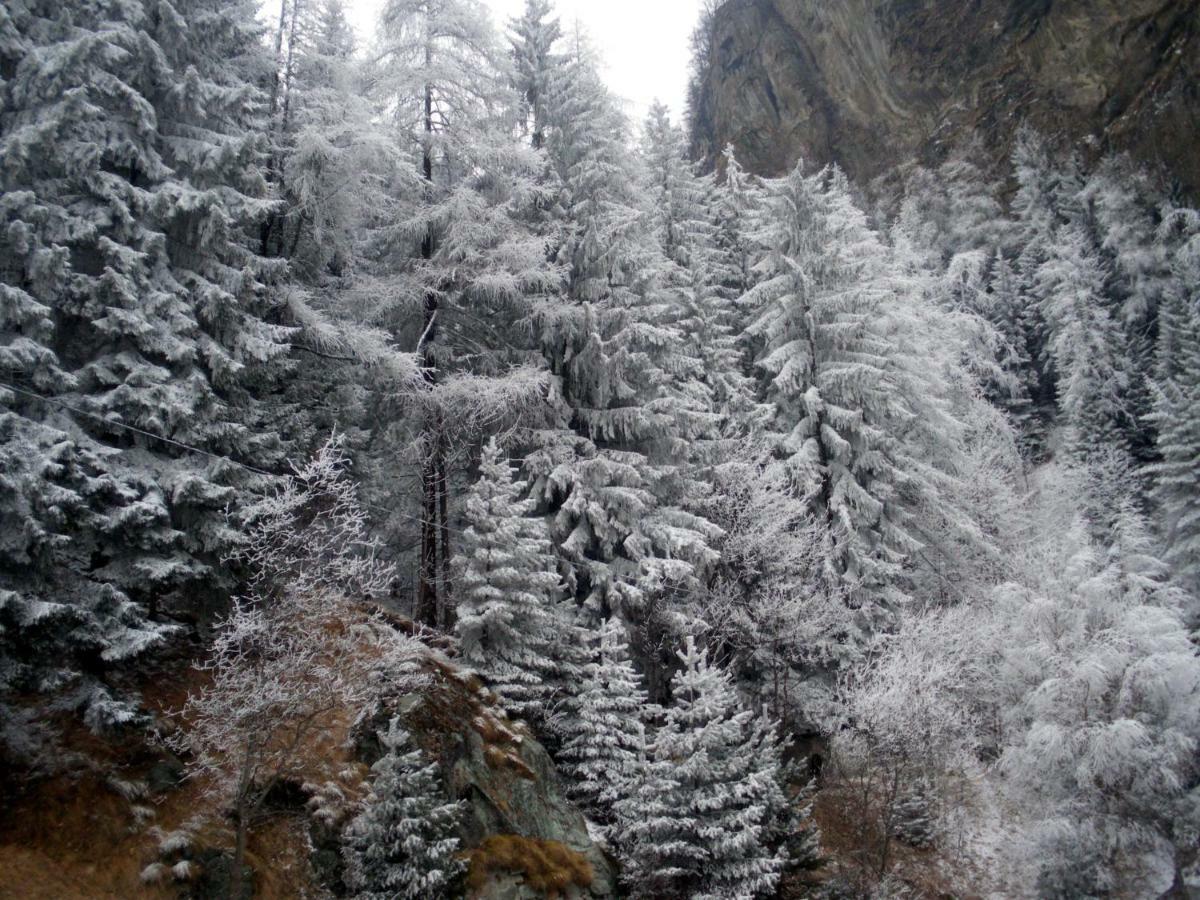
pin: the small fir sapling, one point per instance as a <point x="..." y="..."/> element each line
<point x="403" y="843"/>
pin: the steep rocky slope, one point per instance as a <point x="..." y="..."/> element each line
<point x="118" y="804"/>
<point x="871" y="83"/>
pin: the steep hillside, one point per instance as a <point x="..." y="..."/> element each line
<point x="120" y="820"/>
<point x="869" y="83"/>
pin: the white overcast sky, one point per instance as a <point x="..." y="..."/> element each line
<point x="644" y="42"/>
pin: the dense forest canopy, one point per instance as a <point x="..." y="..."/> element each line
<point x="764" y="505"/>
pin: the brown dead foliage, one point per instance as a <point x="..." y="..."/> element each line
<point x="548" y="867"/>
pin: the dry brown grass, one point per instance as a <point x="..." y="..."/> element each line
<point x="498" y="758"/>
<point x="72" y="837"/>
<point x="454" y="703"/>
<point x="548" y="867"/>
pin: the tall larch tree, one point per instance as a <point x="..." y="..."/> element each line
<point x="457" y="265"/>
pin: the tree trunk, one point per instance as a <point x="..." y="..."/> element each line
<point x="443" y="484"/>
<point x="239" y="852"/>
<point x="268" y="223"/>
<point x="427" y="598"/>
<point x="889" y="818"/>
<point x="427" y="594"/>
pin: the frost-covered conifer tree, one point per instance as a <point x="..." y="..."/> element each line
<point x="1102" y="690"/>
<point x="602" y="753"/>
<point x="852" y="404"/>
<point x="1046" y="199"/>
<point x="1177" y="415"/>
<point x="1120" y="206"/>
<point x="403" y="844"/>
<point x="964" y="293"/>
<point x="1086" y="345"/>
<point x="443" y="266"/>
<point x="533" y="36"/>
<point x="130" y="170"/>
<point x="739" y="197"/>
<point x="699" y="823"/>
<point x="952" y="210"/>
<point x="331" y="154"/>
<point x="703" y="272"/>
<point x="333" y="166"/>
<point x="1120" y="218"/>
<point x="1005" y="310"/>
<point x="630" y="397"/>
<point x="507" y="588"/>
<point x="457" y="263"/>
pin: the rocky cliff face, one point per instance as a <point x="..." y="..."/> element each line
<point x="121" y="809"/>
<point x="873" y="83"/>
<point x="523" y="839"/>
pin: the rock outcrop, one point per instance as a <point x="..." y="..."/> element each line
<point x="524" y="839"/>
<point x="874" y="83"/>
<point x="119" y="820"/>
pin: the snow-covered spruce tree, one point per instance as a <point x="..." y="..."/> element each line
<point x="799" y="836"/>
<point x="699" y="824"/>
<point x="1177" y="415"/>
<point x="1046" y="199"/>
<point x="506" y="588"/>
<point x="533" y="35"/>
<point x="1121" y="207"/>
<point x="704" y="273"/>
<point x="402" y="844"/>
<point x="630" y="397"/>
<point x="739" y="197"/>
<point x="130" y="171"/>
<point x="913" y="822"/>
<point x="758" y="606"/>
<point x="862" y="427"/>
<point x="963" y="291"/>
<point x="1120" y="217"/>
<point x="605" y="728"/>
<point x="1005" y="309"/>
<point x="790" y="830"/>
<point x="953" y="210"/>
<point x="1085" y="344"/>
